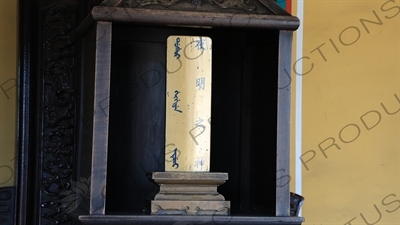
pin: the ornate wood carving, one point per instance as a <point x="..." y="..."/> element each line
<point x="7" y="205"/>
<point x="58" y="111"/>
<point x="244" y="5"/>
<point x="296" y="201"/>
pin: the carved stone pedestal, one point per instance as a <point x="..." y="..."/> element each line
<point x="189" y="193"/>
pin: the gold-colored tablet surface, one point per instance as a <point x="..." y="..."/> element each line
<point x="188" y="104"/>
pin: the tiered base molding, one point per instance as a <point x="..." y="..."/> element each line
<point x="189" y="193"/>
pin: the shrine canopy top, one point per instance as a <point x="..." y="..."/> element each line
<point x="259" y="14"/>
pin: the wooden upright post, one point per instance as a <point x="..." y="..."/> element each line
<point x="283" y="122"/>
<point x="101" y="118"/>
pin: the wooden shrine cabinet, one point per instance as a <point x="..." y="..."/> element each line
<point x="123" y="76"/>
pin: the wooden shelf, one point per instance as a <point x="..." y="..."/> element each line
<point x="186" y="220"/>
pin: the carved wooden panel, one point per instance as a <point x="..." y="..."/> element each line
<point x="7" y="205"/>
<point x="58" y="96"/>
<point x="203" y="5"/>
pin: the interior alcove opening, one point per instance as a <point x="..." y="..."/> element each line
<point x="244" y="112"/>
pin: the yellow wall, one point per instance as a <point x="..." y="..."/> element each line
<point x="350" y="144"/>
<point x="8" y="90"/>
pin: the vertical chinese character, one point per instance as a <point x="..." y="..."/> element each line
<point x="201" y="83"/>
<point x="199" y="163"/>
<point x="200" y="44"/>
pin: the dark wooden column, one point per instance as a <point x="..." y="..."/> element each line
<point x="48" y="105"/>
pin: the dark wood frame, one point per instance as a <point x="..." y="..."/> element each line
<point x="103" y="18"/>
<point x="34" y="205"/>
<point x="27" y="49"/>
